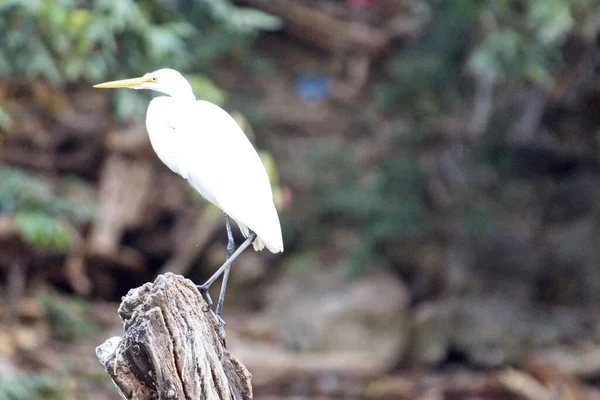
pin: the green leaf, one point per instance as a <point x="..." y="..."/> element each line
<point x="538" y="74"/>
<point x="242" y="19"/>
<point x="551" y="20"/>
<point x="42" y="230"/>
<point x="78" y="19"/>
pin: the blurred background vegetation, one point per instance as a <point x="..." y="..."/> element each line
<point x="435" y="165"/>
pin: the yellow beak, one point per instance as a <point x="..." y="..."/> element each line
<point x="125" y="83"/>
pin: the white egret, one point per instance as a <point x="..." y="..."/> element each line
<point x="201" y="142"/>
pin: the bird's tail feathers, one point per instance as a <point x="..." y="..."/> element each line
<point x="259" y="243"/>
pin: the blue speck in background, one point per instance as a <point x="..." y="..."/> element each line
<point x="313" y="87"/>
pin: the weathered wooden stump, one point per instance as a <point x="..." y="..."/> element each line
<point x="171" y="347"/>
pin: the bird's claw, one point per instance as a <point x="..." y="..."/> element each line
<point x="203" y="289"/>
<point x="204" y="292"/>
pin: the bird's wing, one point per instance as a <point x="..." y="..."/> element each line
<point x="222" y="164"/>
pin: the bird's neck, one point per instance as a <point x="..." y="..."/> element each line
<point x="182" y="93"/>
<point x="184" y="97"/>
<point x="183" y="102"/>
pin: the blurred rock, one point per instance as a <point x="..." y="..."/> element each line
<point x="430" y="334"/>
<point x="571" y="273"/>
<point x="507" y="259"/>
<point x="321" y="311"/>
<point x="491" y="332"/>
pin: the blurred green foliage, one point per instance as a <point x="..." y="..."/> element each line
<point x="43" y="230"/>
<point x="69" y="383"/>
<point x="66" y="41"/>
<point x="69" y="317"/>
<point x="33" y="387"/>
<point x="44" y="217"/>
<point x="517" y="41"/>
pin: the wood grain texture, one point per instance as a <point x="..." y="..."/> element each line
<point x="172" y="348"/>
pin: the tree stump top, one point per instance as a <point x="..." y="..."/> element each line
<point x="172" y="348"/>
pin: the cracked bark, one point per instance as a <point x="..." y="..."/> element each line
<point x="171" y="348"/>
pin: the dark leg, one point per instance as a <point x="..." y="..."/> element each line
<point x="227" y="263"/>
<point x="204" y="287"/>
<point x="230" y="250"/>
<point x="230" y="240"/>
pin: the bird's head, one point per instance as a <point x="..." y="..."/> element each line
<point x="166" y="80"/>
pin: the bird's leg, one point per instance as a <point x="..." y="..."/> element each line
<point x="226" y="265"/>
<point x="230" y="250"/>
<point x="205" y="293"/>
<point x="230" y="239"/>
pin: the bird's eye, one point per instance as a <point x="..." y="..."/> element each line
<point x="153" y="79"/>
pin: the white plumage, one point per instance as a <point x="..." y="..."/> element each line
<point x="218" y="160"/>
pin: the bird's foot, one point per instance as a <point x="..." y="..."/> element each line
<point x="222" y="322"/>
<point x="203" y="289"/>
